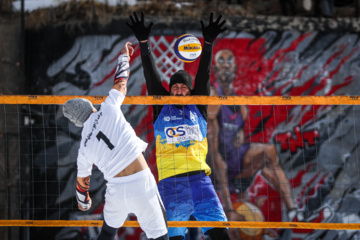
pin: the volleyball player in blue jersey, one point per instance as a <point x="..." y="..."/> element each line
<point x="181" y="136"/>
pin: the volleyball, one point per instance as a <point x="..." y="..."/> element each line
<point x="187" y="48"/>
<point x="253" y="214"/>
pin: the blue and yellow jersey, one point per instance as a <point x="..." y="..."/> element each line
<point x="181" y="142"/>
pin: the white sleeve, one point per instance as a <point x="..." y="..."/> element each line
<point x="84" y="167"/>
<point x="115" y="98"/>
<point x="122" y="69"/>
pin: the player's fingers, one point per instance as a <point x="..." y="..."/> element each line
<point x="202" y="24"/>
<point x="90" y="203"/>
<point x="211" y="17"/>
<point x="223" y="29"/>
<point x="80" y="207"/>
<point x="150" y="26"/>
<point x="131" y="50"/>
<point x="132" y="20"/>
<point x="142" y="16"/>
<point x="130" y="26"/>
<point x="136" y="17"/>
<point x="222" y="23"/>
<point x="124" y="49"/>
<point x="218" y="19"/>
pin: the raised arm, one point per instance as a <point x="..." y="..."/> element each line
<point x="122" y="72"/>
<point x="210" y="33"/>
<point x="152" y="77"/>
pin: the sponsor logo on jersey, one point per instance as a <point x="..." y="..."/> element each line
<point x="183" y="133"/>
<point x="172" y="118"/>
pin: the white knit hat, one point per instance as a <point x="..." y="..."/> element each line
<point x="77" y="110"/>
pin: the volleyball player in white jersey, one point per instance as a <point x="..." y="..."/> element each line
<point x="109" y="142"/>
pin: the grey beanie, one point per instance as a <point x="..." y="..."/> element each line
<point x="77" y="110"/>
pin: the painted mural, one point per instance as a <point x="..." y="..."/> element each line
<point x="284" y="163"/>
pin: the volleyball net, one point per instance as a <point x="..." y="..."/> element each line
<point x="291" y="162"/>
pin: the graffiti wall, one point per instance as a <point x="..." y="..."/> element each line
<point x="314" y="149"/>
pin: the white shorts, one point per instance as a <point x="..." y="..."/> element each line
<point x="138" y="194"/>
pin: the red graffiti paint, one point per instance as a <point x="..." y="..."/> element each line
<point x="297" y="139"/>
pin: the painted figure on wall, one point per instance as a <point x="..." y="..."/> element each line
<point x="244" y="171"/>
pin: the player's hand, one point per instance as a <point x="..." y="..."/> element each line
<point x="127" y="50"/>
<point x="85" y="207"/>
<point x="211" y="31"/>
<point x="138" y="27"/>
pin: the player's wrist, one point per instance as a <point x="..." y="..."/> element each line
<point x="83" y="198"/>
<point x="144" y="48"/>
<point x="207" y="46"/>
<point x="122" y="71"/>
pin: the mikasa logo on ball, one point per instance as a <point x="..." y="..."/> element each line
<point x="191" y="47"/>
<point x="187" y="48"/>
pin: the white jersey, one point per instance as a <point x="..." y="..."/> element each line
<point x="108" y="140"/>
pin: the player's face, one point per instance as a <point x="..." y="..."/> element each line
<point x="179" y="89"/>
<point x="225" y="67"/>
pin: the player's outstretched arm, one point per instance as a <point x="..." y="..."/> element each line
<point x="122" y="72"/>
<point x="210" y="33"/>
<point x="152" y="76"/>
<point x="82" y="193"/>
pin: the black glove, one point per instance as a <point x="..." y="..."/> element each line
<point x="138" y="27"/>
<point x="211" y="32"/>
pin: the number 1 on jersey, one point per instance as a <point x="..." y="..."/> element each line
<point x="105" y="139"/>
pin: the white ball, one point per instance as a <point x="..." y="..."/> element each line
<point x="187" y="48"/>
